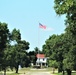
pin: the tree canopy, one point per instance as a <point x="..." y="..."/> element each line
<point x="62" y="48"/>
<point x="17" y="51"/>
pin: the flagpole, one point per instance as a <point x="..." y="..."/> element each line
<point x="38" y="42"/>
<point x="43" y="27"/>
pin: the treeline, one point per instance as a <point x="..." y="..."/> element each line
<point x="13" y="50"/>
<point x="61" y="49"/>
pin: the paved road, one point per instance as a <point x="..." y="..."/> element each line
<point x="37" y="73"/>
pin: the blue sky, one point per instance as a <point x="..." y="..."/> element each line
<point x="26" y="16"/>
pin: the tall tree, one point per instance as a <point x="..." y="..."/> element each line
<point x="57" y="47"/>
<point x="4" y="32"/>
<point x="68" y="7"/>
<point x="18" y="50"/>
<point x="4" y="39"/>
<point x="20" y="53"/>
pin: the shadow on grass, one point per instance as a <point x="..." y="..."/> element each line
<point x="73" y="73"/>
<point x="14" y="74"/>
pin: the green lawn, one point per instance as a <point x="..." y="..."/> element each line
<point x="13" y="74"/>
<point x="25" y="70"/>
<point x="74" y="73"/>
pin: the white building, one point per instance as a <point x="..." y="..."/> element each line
<point x="41" y="60"/>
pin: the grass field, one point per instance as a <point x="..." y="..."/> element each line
<point x="21" y="71"/>
<point x="74" y="73"/>
<point x="13" y="74"/>
<point x="25" y="70"/>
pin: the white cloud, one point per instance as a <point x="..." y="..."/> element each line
<point x="49" y="29"/>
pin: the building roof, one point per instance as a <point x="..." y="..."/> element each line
<point x="40" y="56"/>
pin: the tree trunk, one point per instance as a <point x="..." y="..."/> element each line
<point x="60" y="67"/>
<point x="63" y="72"/>
<point x="53" y="70"/>
<point x="5" y="72"/>
<point x="68" y="72"/>
<point x="16" y="69"/>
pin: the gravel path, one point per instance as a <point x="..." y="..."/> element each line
<point x="40" y="73"/>
<point x="37" y="73"/>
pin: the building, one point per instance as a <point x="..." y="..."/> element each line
<point x="41" y="60"/>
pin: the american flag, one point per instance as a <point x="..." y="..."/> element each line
<point x="42" y="26"/>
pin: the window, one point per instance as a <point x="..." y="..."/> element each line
<point x="43" y="59"/>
